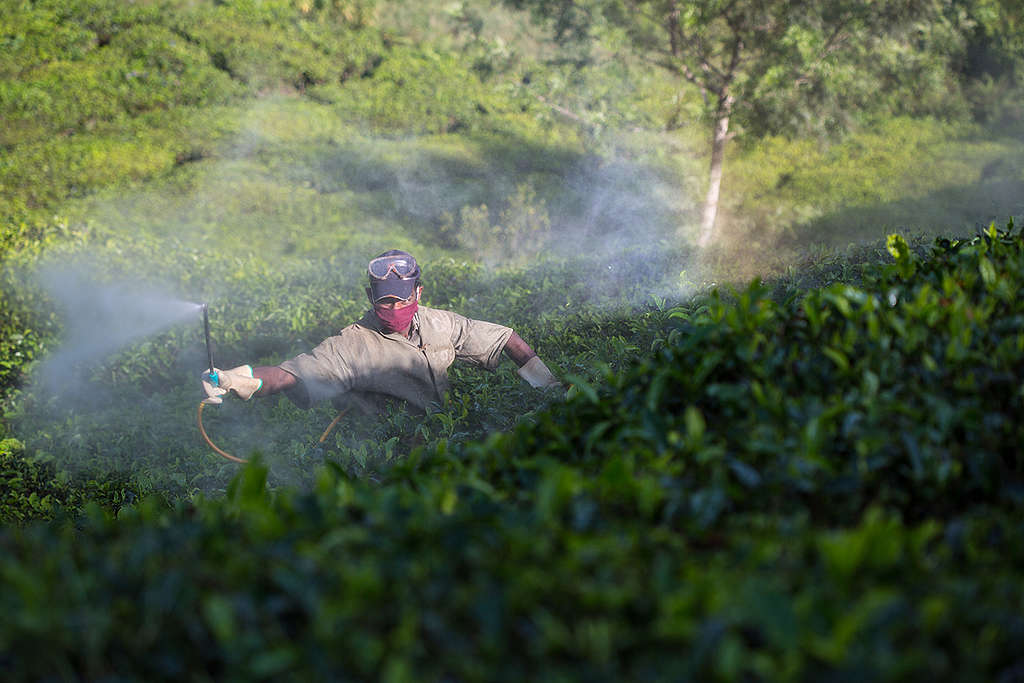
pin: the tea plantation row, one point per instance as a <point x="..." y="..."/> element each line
<point x="822" y="487"/>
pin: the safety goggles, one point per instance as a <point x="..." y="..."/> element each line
<point x="403" y="266"/>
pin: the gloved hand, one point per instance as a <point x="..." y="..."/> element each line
<point x="238" y="380"/>
<point x="537" y="374"/>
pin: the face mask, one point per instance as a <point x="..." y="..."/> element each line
<point x="396" y="319"/>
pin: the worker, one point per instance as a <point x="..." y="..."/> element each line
<point x="398" y="349"/>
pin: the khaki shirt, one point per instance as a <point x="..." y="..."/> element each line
<point x="363" y="360"/>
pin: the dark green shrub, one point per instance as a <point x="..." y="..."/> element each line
<point x="357" y="582"/>
<point x="900" y="393"/>
<point x="31" y="490"/>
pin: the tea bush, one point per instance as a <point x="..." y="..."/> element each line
<point x="34" y="490"/>
<point x="95" y="91"/>
<point x="358" y="582"/>
<point x="822" y="485"/>
<point x="811" y="477"/>
<point x="134" y="412"/>
<point x="898" y="393"/>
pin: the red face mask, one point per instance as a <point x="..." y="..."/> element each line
<point x="396" y="319"/>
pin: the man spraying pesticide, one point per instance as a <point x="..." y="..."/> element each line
<point x="398" y="349"/>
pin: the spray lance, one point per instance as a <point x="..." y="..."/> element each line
<point x="215" y="380"/>
<point x="209" y="349"/>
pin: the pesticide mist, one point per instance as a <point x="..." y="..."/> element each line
<point x="101" y="318"/>
<point x="600" y="233"/>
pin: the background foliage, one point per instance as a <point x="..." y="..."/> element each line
<point x="794" y="456"/>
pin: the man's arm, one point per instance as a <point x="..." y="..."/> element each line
<point x="518" y="350"/>
<point x="274" y="379"/>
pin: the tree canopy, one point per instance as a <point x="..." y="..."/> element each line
<point x="770" y="66"/>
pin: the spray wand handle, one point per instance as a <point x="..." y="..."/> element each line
<point x="214" y="379"/>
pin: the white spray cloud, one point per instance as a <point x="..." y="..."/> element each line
<point x="101" y="318"/>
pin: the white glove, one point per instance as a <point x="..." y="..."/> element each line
<point x="537" y="374"/>
<point x="238" y="380"/>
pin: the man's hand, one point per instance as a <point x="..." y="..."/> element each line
<point x="537" y="374"/>
<point x="531" y="368"/>
<point x="238" y="380"/>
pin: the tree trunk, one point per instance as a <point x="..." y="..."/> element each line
<point x="710" y="209"/>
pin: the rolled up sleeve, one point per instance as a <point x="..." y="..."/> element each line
<point x="323" y="373"/>
<point x="479" y="342"/>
